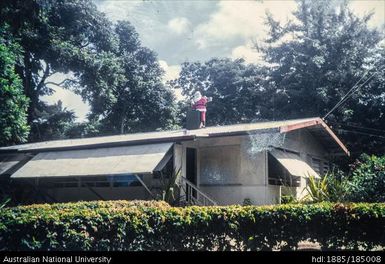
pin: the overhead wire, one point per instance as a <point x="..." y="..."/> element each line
<point x="360" y="133"/>
<point x="360" y="127"/>
<point x="355" y="88"/>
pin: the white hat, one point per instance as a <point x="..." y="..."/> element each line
<point x="197" y="96"/>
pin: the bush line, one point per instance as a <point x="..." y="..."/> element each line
<point x="150" y="225"/>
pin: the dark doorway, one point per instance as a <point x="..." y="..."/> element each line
<point x="191" y="168"/>
<point x="191" y="165"/>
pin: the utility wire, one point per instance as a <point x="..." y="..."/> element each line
<point x="361" y="133"/>
<point x="356" y="89"/>
<point x="347" y="95"/>
<point x="377" y="71"/>
<point x="352" y="91"/>
<point x="343" y="98"/>
<point x="360" y="127"/>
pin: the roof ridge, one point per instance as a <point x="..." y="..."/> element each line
<point x="62" y="143"/>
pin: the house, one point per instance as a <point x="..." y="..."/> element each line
<point x="255" y="162"/>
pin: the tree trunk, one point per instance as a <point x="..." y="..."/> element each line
<point x="122" y="121"/>
<point x="28" y="86"/>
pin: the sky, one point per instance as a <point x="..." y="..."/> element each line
<point x="196" y="30"/>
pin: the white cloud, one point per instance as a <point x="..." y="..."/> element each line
<point x="118" y="10"/>
<point x="179" y="25"/>
<point x="70" y="100"/>
<point x="230" y="21"/>
<point x="171" y="73"/>
<point x="362" y="8"/>
<point x="281" y="10"/>
<point x="248" y="53"/>
<point x="234" y="22"/>
<point x="240" y="19"/>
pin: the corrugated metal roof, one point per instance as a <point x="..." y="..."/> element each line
<point x="294" y="164"/>
<point x="11" y="161"/>
<point x="95" y="162"/>
<point x="248" y="127"/>
<point x="166" y="136"/>
<point x="67" y="143"/>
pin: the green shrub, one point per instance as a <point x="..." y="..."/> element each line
<point x="337" y="183"/>
<point x="116" y="204"/>
<point x="247" y="201"/>
<point x="330" y="188"/>
<point x="367" y="182"/>
<point x="317" y="189"/>
<point x="156" y="226"/>
<point x="288" y="199"/>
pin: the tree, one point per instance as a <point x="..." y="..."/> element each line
<point x="55" y="36"/>
<point x="13" y="104"/>
<point x="54" y="122"/>
<point x="317" y="59"/>
<point x="367" y="180"/>
<point x="136" y="99"/>
<point x="120" y="78"/>
<point x="234" y="85"/>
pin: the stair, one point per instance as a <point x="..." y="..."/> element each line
<point x="195" y="196"/>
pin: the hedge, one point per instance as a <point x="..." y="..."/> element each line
<point x="156" y="226"/>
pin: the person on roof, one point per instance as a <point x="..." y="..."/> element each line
<point x="199" y="103"/>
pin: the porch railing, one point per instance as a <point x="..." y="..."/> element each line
<point x="194" y="195"/>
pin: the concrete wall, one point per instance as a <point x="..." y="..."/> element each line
<point x="302" y="141"/>
<point x="258" y="195"/>
<point x="230" y="173"/>
<point x="226" y="170"/>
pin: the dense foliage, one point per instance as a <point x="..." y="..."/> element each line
<point x="310" y="63"/>
<point x="104" y="62"/>
<point x="367" y="180"/>
<point x="332" y="187"/>
<point x="55" y="36"/>
<point x="236" y="87"/>
<point x="123" y="226"/>
<point x="317" y="59"/>
<point x="135" y="100"/>
<point x="54" y="122"/>
<point x="13" y="103"/>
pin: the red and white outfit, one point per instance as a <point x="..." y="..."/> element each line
<point x="199" y="103"/>
<point x="200" y="106"/>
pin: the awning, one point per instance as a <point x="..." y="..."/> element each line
<point x="164" y="162"/>
<point x="293" y="163"/>
<point x="138" y="159"/>
<point x="10" y="162"/>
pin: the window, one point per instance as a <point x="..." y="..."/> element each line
<point x="128" y="180"/>
<point x="325" y="167"/>
<point x="320" y="166"/>
<point x="289" y="151"/>
<point x="95" y="184"/>
<point x="316" y="164"/>
<point x="220" y="165"/>
<point x="59" y="182"/>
